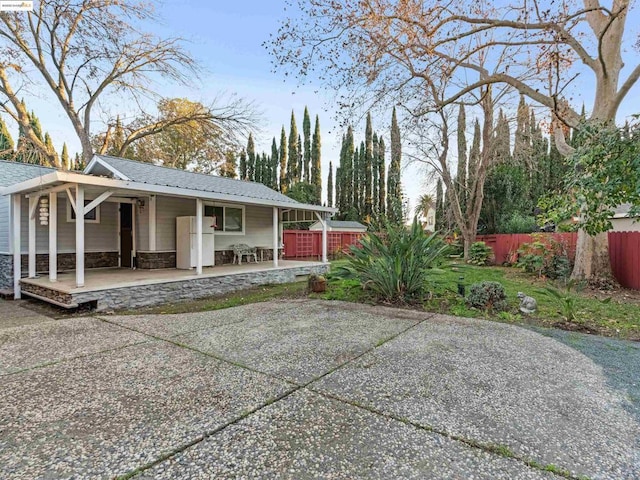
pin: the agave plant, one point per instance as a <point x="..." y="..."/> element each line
<point x="395" y="265"/>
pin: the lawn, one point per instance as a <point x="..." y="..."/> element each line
<point x="618" y="317"/>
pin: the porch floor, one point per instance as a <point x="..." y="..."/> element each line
<point x="108" y="278"/>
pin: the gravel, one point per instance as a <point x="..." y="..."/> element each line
<point x="300" y="342"/>
<point x="501" y="385"/>
<point x="34" y="345"/>
<point x="308" y="436"/>
<point x="110" y="413"/>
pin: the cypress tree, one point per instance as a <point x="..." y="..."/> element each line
<point x="35" y="125"/>
<point x="338" y="194"/>
<point x="362" y="182"/>
<point x="522" y="140"/>
<point x="374" y="173"/>
<point x="461" y="177"/>
<point x="228" y="168"/>
<point x="381" y="174"/>
<point x="251" y="159"/>
<point x="300" y="160"/>
<point x="306" y="131"/>
<point x="284" y="178"/>
<point x="50" y="148"/>
<point x="64" y="158"/>
<point x="474" y="158"/>
<point x="356" y="185"/>
<point x="330" y="186"/>
<point x="394" y="188"/>
<point x="368" y="170"/>
<point x="243" y="165"/>
<point x="349" y="186"/>
<point x="6" y="142"/>
<point x="316" y="167"/>
<point x="78" y="164"/>
<point x="292" y="167"/>
<point x="275" y="163"/>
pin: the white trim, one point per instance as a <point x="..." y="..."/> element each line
<point x="199" y="215"/>
<point x="97" y="160"/>
<point x="276" y="245"/>
<point x="80" y="239"/>
<point x="224" y="206"/>
<point x="17" y="260"/>
<point x="94" y="203"/>
<point x="153" y="205"/>
<point x="134" y="237"/>
<point x="38" y="183"/>
<point x="53" y="236"/>
<point x="75" y="210"/>
<point x="71" y="200"/>
<point x="323" y="221"/>
<point x="33" y="203"/>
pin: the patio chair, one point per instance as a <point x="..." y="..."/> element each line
<point x="242" y="249"/>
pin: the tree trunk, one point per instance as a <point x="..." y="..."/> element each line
<point x="592" y="257"/>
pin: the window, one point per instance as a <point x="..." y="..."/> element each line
<point x="229" y="219"/>
<point x="90" y="217"/>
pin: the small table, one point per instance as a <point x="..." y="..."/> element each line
<point x="262" y="250"/>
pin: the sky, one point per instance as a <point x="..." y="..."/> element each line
<point x="226" y="39"/>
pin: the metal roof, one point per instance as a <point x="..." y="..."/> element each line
<point x="157" y="175"/>
<point x="16" y="172"/>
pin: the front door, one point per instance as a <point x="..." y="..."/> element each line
<point x="126" y="234"/>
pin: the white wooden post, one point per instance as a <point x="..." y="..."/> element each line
<point x="324" y="238"/>
<point x="53" y="237"/>
<point x="275" y="237"/>
<point x="199" y="210"/>
<point x="17" y="260"/>
<point x="33" y="205"/>
<point x="152" y="223"/>
<point x="79" y="236"/>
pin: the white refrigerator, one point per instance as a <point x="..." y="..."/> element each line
<point x="186" y="242"/>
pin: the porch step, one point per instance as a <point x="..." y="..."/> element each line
<point x="6" y="294"/>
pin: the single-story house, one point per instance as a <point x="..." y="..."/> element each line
<point x="622" y="222"/>
<point x="340" y="226"/>
<point x="128" y="249"/>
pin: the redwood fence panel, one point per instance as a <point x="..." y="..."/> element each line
<point x="624" y="253"/>
<point x="506" y="244"/>
<point x="308" y="244"/>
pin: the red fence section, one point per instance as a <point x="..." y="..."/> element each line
<point x="305" y="243"/>
<point x="506" y="244"/>
<point x="624" y="253"/>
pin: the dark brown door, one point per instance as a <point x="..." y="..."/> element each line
<point x="126" y="234"/>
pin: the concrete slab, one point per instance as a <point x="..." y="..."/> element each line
<point x="42" y="343"/>
<point x="301" y="340"/>
<point x="167" y="326"/>
<point x="501" y="385"/>
<point x="107" y="414"/>
<point x="12" y="314"/>
<point x="308" y="436"/>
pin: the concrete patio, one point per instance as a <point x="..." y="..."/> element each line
<point x="304" y="389"/>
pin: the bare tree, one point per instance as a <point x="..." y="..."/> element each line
<point x="85" y="51"/>
<point x="387" y="51"/>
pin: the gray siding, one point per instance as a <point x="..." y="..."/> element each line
<point x="258" y="226"/>
<point x="142" y="227"/>
<point x="99" y="237"/>
<point x="5" y="218"/>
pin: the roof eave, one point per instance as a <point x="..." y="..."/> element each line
<point x="70" y="177"/>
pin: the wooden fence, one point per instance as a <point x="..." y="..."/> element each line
<point x="308" y="244"/>
<point x="624" y="251"/>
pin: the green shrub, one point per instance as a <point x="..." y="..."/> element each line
<point x="545" y="256"/>
<point x="395" y="265"/>
<point x="480" y="253"/>
<point x="518" y="223"/>
<point x="488" y="296"/>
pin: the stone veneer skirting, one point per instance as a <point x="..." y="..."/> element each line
<point x="167" y="259"/>
<point x="6" y="272"/>
<point x="158" y="293"/>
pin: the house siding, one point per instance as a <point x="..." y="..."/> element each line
<point x="99" y="237"/>
<point x="625" y="225"/>
<point x="258" y="225"/>
<point x="5" y="203"/>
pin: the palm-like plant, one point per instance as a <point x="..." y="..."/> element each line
<point x="395" y="265"/>
<point x="425" y="203"/>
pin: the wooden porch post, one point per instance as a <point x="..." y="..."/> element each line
<point x="79" y="236"/>
<point x="275" y="237"/>
<point x="33" y="205"/>
<point x="17" y="261"/>
<point x="324" y="238"/>
<point x="53" y="237"/>
<point x="198" y="236"/>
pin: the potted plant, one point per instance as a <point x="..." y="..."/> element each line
<point x="317" y="283"/>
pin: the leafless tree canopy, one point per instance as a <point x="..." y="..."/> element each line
<point x="86" y="51"/>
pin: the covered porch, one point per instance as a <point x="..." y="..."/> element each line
<point x="112" y="288"/>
